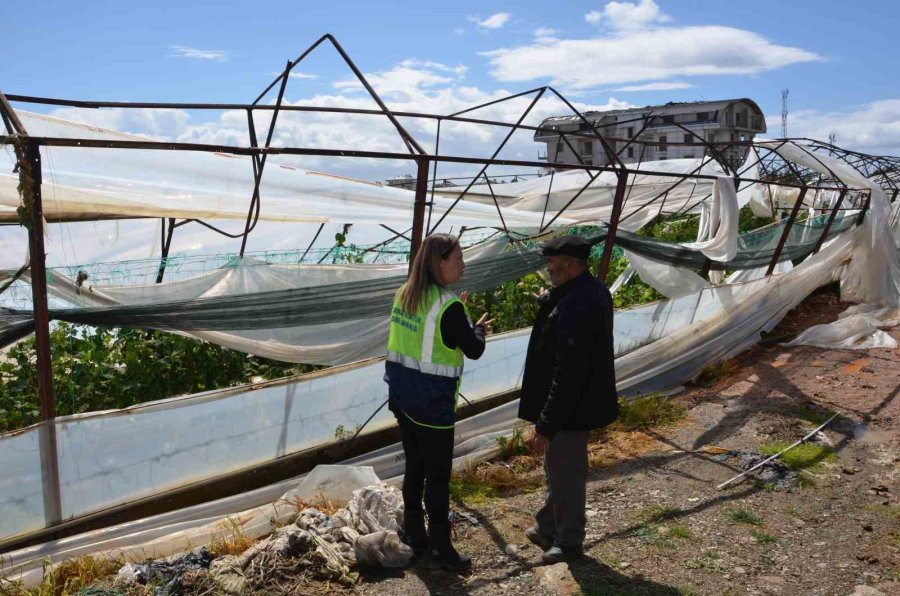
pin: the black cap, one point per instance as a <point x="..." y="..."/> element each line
<point x="572" y="246"/>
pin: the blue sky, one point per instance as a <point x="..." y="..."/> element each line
<point x="837" y="59"/>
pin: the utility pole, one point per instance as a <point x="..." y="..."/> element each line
<point x="784" y="112"/>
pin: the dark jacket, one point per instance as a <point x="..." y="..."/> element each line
<point x="570" y="377"/>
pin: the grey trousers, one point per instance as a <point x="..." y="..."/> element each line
<point x="565" y="468"/>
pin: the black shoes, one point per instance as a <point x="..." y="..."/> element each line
<point x="443" y="553"/>
<point x="560" y="554"/>
<point x="414" y="534"/>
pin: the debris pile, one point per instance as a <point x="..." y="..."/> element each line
<point x="773" y="472"/>
<point x="316" y="546"/>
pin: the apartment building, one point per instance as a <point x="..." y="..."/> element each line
<point x="674" y="131"/>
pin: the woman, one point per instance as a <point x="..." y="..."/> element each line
<point x="430" y="331"/>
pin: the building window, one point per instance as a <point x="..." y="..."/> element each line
<point x="631" y="152"/>
<point x="559" y="147"/>
<point x="587" y="148"/>
<point x="630" y="134"/>
<point x="669" y="119"/>
<point x="688" y="139"/>
<point x="663" y="147"/>
<point x="702" y="116"/>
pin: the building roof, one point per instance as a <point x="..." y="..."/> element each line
<point x="673" y="107"/>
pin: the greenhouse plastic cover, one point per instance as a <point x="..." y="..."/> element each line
<point x="111" y="458"/>
<point x="85" y="183"/>
<point x="107" y="459"/>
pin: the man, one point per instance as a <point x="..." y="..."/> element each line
<point x="569" y="389"/>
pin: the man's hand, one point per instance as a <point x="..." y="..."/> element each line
<point x="464" y="296"/>
<point x="539" y="444"/>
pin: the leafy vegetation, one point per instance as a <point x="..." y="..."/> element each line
<point x="99" y="369"/>
<point x="744" y="516"/>
<point x="762" y="537"/>
<point x="801" y="457"/>
<point x="645" y="412"/>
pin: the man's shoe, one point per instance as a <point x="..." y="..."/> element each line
<point x="560" y="554"/>
<point x="538" y="539"/>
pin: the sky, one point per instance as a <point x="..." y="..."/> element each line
<point x="836" y="58"/>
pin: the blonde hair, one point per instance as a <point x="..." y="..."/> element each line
<point x="424" y="271"/>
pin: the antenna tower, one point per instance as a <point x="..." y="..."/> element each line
<point x="784" y="113"/>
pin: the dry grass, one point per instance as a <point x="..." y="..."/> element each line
<point x="322" y="504"/>
<point x="610" y="447"/>
<point x="68" y="578"/>
<point x="232" y="542"/>
<point x="715" y="372"/>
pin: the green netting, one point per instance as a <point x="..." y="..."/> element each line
<point x="755" y="249"/>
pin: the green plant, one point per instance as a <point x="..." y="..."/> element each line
<point x="681" y="532"/>
<point x="708" y="561"/>
<point x="716" y="371"/>
<point x="763" y="537"/>
<point x="744" y="516"/>
<point x="646" y="411"/>
<point x="513" y="445"/>
<point x="802" y="457"/>
<point x="658" y="513"/>
<point x="465" y="489"/>
<point x="100" y="369"/>
<point x="511" y="305"/>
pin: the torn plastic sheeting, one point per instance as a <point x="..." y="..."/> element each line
<point x="857" y="328"/>
<point x="733" y="322"/>
<point x="333" y="483"/>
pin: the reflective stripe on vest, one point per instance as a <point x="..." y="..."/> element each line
<point x="430" y="368"/>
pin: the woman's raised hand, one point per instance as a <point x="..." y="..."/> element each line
<point x="464" y="296"/>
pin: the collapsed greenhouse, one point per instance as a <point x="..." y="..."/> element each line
<point x="836" y="220"/>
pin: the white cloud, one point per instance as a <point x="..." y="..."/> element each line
<point x="195" y="54"/>
<point x="871" y="128"/>
<point x="459" y="70"/>
<point x="628" y="16"/>
<point x="545" y="32"/>
<point x="161" y="124"/>
<point x="402" y="90"/>
<point x="495" y="21"/>
<point x="650" y="55"/>
<point x="302" y="75"/>
<point x="656" y="87"/>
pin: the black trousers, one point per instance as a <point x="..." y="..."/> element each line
<point x="429" y="461"/>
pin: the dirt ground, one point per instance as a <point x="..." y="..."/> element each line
<point x="658" y="525"/>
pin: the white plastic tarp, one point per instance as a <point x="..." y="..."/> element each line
<point x="690" y="333"/>
<point x="95" y="182"/>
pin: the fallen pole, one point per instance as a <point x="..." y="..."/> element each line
<point x="785" y="450"/>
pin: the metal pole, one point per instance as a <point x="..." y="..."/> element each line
<point x="419" y="208"/>
<point x="30" y="176"/>
<point x="621" y="185"/>
<point x="831" y="217"/>
<point x="164" y="249"/>
<point x="787" y="230"/>
<point x="862" y="214"/>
